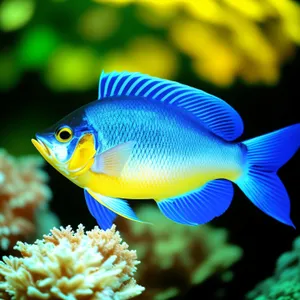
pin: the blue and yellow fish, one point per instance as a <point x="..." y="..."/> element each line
<point x="150" y="138"/>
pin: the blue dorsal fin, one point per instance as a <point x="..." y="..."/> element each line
<point x="214" y="113"/>
<point x="199" y="207"/>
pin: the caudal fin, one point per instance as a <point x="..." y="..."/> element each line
<point x="260" y="183"/>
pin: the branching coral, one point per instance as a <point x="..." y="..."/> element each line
<point x="72" y="265"/>
<point x="176" y="256"/>
<point x="22" y="192"/>
<point x="285" y="284"/>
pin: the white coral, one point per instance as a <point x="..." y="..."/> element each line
<point x="68" y="265"/>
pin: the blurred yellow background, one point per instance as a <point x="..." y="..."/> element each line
<point x="70" y="42"/>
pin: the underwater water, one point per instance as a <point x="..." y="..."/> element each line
<point x="51" y="57"/>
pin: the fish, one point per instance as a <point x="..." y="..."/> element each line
<point x="149" y="138"/>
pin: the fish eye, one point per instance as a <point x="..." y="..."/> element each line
<point x="64" y="134"/>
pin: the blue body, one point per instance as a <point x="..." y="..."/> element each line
<point x="169" y="141"/>
<point x="163" y="140"/>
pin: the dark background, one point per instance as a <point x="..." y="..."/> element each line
<point x="31" y="106"/>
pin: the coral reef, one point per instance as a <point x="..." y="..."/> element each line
<point x="71" y="265"/>
<point x="285" y="283"/>
<point x="176" y="256"/>
<point x="23" y="194"/>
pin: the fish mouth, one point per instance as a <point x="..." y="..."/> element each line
<point x="48" y="155"/>
<point x="41" y="147"/>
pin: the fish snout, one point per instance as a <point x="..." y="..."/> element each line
<point x="41" y="144"/>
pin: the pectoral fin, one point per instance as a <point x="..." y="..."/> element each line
<point x="118" y="206"/>
<point x="112" y="161"/>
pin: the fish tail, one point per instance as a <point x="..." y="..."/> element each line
<point x="264" y="156"/>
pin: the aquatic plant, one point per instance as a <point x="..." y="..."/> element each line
<point x="65" y="264"/>
<point x="24" y="195"/>
<point x="285" y="283"/>
<point x="176" y="256"/>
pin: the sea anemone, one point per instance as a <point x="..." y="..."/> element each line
<point x="23" y="191"/>
<point x="71" y="265"/>
<point x="285" y="284"/>
<point x="176" y="256"/>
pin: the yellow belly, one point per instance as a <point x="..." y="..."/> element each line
<point x="143" y="188"/>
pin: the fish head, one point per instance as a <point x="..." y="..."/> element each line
<point x="69" y="146"/>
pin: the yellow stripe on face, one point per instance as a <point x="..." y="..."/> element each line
<point x="83" y="154"/>
<point x="79" y="163"/>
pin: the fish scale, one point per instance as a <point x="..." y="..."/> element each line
<point x="169" y="149"/>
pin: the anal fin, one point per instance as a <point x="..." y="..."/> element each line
<point x="201" y="206"/>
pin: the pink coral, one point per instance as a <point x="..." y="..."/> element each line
<point x="22" y="191"/>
